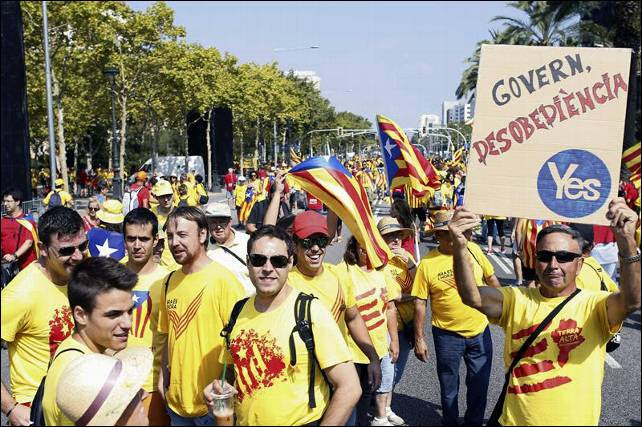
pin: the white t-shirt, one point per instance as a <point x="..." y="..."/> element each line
<point x="239" y="248"/>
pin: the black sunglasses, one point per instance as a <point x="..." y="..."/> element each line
<point x="69" y="250"/>
<point x="277" y="261"/>
<point x="93" y="209"/>
<point x="320" y="241"/>
<point x="561" y="256"/>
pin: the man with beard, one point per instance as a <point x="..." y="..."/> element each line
<point x="196" y="302"/>
<point x="36" y="316"/>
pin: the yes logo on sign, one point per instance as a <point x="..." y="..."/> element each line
<point x="574" y="183"/>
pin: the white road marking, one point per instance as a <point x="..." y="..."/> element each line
<point x="612" y="362"/>
<point x="500" y="263"/>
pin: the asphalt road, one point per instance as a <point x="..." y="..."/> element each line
<point x="416" y="398"/>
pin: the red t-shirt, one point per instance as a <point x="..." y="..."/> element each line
<point x="14" y="235"/>
<point x="230" y="180"/>
<point x="143" y="194"/>
<point x="602" y="234"/>
<point x="314" y="203"/>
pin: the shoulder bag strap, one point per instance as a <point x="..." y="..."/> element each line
<point x="227" y="330"/>
<point x="602" y="284"/>
<point x="499" y="406"/>
<point x="229" y="251"/>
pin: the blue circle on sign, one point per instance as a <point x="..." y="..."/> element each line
<point x="574" y="183"/>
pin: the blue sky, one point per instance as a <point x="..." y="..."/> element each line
<point x="398" y="59"/>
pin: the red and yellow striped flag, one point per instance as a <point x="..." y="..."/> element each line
<point x="631" y="158"/>
<point x="327" y="180"/>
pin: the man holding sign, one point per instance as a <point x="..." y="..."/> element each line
<point x="559" y="378"/>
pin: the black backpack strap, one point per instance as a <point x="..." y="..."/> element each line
<point x="303" y="326"/>
<point x="499" y="406"/>
<point x="167" y="283"/>
<point x="227" y="330"/>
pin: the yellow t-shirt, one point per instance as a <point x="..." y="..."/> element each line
<point x="167" y="259"/>
<point x="65" y="198"/>
<point x="196" y="308"/>
<point x="591" y="276"/>
<point x="36" y="318"/>
<point x="239" y="194"/>
<point x="270" y="390"/>
<point x="398" y="268"/>
<point x="147" y="296"/>
<point x="559" y="380"/>
<point x="435" y="278"/>
<point x="333" y="291"/>
<point x="53" y="414"/>
<point x="373" y="289"/>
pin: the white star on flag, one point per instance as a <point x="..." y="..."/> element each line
<point x="135" y="299"/>
<point x="389" y="146"/>
<point x="105" y="250"/>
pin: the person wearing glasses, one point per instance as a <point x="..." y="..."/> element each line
<point x="559" y="380"/>
<point x="36" y="315"/>
<point x="196" y="302"/>
<point x="90" y="220"/>
<point x="459" y="332"/>
<point x="228" y="246"/>
<point x="100" y="297"/>
<point x="272" y="387"/>
<point x="333" y="288"/>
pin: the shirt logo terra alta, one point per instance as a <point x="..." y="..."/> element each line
<point x="574" y="183"/>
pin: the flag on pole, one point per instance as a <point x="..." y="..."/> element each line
<point x="294" y="157"/>
<point x="458" y="156"/>
<point x="403" y="163"/>
<point x="327" y="180"/>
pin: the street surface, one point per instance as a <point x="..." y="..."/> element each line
<point x="416" y="398"/>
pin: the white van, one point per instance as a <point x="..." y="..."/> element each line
<point x="175" y="165"/>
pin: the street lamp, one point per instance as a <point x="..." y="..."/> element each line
<point x="111" y="73"/>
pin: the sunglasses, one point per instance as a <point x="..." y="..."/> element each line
<point x="69" y="250"/>
<point x="93" y="209"/>
<point x="277" y="261"/>
<point x="321" y="241"/>
<point x="561" y="256"/>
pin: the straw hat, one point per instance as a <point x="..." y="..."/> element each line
<point x="218" y="210"/>
<point x="388" y="225"/>
<point x="441" y="220"/>
<point x="111" y="212"/>
<point x="95" y="389"/>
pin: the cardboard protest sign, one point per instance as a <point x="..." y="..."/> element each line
<point x="548" y="131"/>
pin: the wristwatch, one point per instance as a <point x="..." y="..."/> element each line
<point x="630" y="259"/>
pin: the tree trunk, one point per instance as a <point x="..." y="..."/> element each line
<point x="75" y="185"/>
<point x="241" y="162"/>
<point x="90" y="152"/>
<point x="123" y="136"/>
<point x="60" y="121"/>
<point x="209" y="149"/>
<point x="256" y="142"/>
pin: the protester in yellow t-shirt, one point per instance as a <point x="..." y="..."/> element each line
<point x="239" y="195"/>
<point x="35" y="313"/>
<point x="333" y="288"/>
<point x="197" y="302"/>
<point x="100" y="298"/>
<point x="375" y="293"/>
<point x="140" y="230"/>
<point x="162" y="254"/>
<point x="567" y="369"/>
<point x="459" y="332"/>
<point x="65" y="197"/>
<point x="272" y="388"/>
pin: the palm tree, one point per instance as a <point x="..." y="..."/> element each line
<point x="545" y="24"/>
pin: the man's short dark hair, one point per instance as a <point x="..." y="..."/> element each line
<point x="58" y="220"/>
<point x="198" y="178"/>
<point x="14" y="193"/>
<point x="141" y="216"/>
<point x="273" y="232"/>
<point x="560" y="228"/>
<point x="94" y="276"/>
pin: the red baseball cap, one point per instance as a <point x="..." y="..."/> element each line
<point x="308" y="223"/>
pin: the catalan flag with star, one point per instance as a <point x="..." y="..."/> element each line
<point x="631" y="159"/>
<point x="327" y="180"/>
<point x="403" y="163"/>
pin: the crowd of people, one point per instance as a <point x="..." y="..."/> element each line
<point x="155" y="308"/>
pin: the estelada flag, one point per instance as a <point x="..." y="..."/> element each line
<point x="327" y="180"/>
<point x="403" y="163"/>
<point x="631" y="158"/>
<point x="294" y="157"/>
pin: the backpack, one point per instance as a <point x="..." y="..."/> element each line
<point x="55" y="200"/>
<point x="37" y="415"/>
<point x="130" y="200"/>
<point x="302" y="327"/>
<point x="182" y="202"/>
